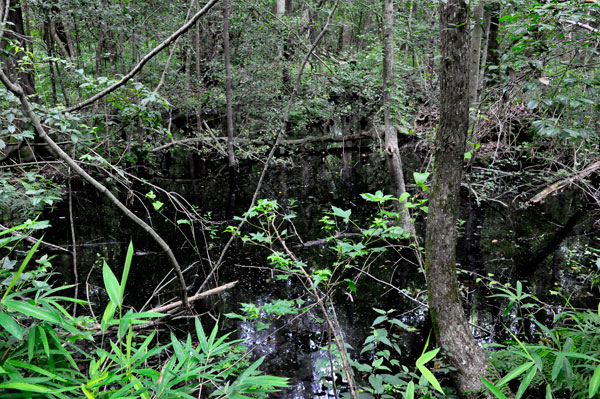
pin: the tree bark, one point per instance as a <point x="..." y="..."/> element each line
<point x="448" y="317"/>
<point x="228" y="99"/>
<point x="392" y="152"/>
<point x="474" y="60"/>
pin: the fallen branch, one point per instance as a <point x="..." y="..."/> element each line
<point x="581" y="25"/>
<point x="168" y="308"/>
<point x="239" y="140"/>
<point x="193" y="298"/>
<point x="35" y="240"/>
<point x="41" y="132"/>
<point x="561" y="184"/>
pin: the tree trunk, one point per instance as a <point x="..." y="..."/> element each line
<point x="229" y="108"/>
<point x="475" y="56"/>
<point x="448" y="317"/>
<point x="392" y="152"/>
<point x="15" y="31"/>
<point x="492" y="48"/>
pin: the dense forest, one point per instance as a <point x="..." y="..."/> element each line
<point x="299" y="199"/>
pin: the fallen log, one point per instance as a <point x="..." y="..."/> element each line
<point x="289" y="142"/>
<point x="561" y="184"/>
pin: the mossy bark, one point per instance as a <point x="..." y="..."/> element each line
<point x="449" y="320"/>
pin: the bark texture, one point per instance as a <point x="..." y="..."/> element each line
<point x="449" y="321"/>
<point x="392" y="152"/>
<point x="475" y="55"/>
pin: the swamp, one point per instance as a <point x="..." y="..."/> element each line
<point x="299" y="199"/>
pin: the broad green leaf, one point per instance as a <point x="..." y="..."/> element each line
<point x="157" y="205"/>
<point x="112" y="285"/>
<point x="87" y="393"/>
<point x="548" y="392"/>
<point x="33" y="311"/>
<point x="594" y="382"/>
<point x="578" y="356"/>
<point x="10" y="325"/>
<point x="517" y="371"/>
<point x="23" y="266"/>
<point x="526" y="382"/>
<point x="497" y="393"/>
<point x="44" y="339"/>
<point x="425" y="357"/>
<point x="126" y="268"/>
<point x="420" y="179"/>
<point x="410" y="390"/>
<point x="430" y="377"/>
<point x="24" y="386"/>
<point x="109" y="312"/>
<point x="344" y="215"/>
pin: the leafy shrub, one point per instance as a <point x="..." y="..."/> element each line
<point x="47" y="353"/>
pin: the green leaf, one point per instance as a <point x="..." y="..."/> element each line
<point x="351" y="285"/>
<point x="345" y="215"/>
<point x="112" y="285"/>
<point x="33" y="311"/>
<point x="24" y="386"/>
<point x="430" y="377"/>
<point x="577" y="355"/>
<point x="425" y="357"/>
<point x="10" y="325"/>
<point x="410" y="390"/>
<point x="594" y="382"/>
<point x="497" y="393"/>
<point x="23" y="266"/>
<point x="515" y="373"/>
<point x="126" y="268"/>
<point x="157" y="205"/>
<point x="420" y="179"/>
<point x="109" y="312"/>
<point x="526" y="382"/>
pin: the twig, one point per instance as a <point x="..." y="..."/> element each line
<point x="581" y="25"/>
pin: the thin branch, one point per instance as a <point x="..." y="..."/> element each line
<point x="145" y="60"/>
<point x="581" y="25"/>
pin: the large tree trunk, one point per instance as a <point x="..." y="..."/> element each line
<point x="392" y="152"/>
<point x="449" y="321"/>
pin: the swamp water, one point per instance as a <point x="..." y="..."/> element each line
<point x="492" y="241"/>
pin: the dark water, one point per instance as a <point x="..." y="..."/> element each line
<point x="493" y="240"/>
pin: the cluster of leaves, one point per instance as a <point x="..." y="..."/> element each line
<point x="387" y="376"/>
<point x="564" y="363"/>
<point x="48" y="353"/>
<point x="25" y="195"/>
